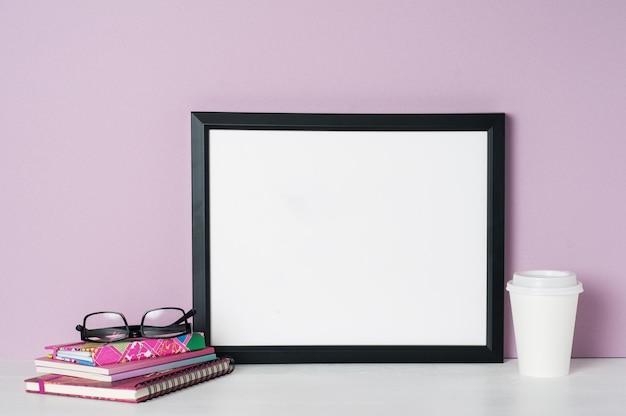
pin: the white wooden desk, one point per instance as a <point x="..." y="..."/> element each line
<point x="595" y="387"/>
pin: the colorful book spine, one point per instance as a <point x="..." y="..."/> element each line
<point x="100" y="353"/>
<point x="134" y="390"/>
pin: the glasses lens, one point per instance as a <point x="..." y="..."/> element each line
<point x="106" y="327"/>
<point x="164" y="323"/>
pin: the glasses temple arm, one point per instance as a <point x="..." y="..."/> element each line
<point x="186" y="316"/>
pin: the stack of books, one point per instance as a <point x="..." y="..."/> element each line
<point x="134" y="370"/>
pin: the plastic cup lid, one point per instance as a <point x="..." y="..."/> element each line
<point x="545" y="281"/>
<point x="544" y="278"/>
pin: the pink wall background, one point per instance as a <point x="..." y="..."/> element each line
<point x="95" y="102"/>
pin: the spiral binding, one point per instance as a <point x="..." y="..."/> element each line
<point x="187" y="377"/>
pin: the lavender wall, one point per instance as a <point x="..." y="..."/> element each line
<point x="95" y="98"/>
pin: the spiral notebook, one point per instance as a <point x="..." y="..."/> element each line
<point x="133" y="390"/>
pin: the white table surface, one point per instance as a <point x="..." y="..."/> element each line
<point x="595" y="387"/>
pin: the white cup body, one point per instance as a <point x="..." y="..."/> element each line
<point x="543" y="321"/>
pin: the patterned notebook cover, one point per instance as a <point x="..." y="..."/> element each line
<point x="101" y="353"/>
<point x="109" y="369"/>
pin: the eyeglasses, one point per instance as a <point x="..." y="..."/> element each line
<point x="156" y="323"/>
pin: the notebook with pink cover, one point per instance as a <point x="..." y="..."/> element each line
<point x="135" y="349"/>
<point x="158" y="367"/>
<point x="134" y="390"/>
<point x="110" y="369"/>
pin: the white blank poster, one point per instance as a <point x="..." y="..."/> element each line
<point x="348" y="237"/>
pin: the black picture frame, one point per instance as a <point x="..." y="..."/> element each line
<point x="205" y="125"/>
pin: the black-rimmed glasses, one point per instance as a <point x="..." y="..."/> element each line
<point x="156" y="323"/>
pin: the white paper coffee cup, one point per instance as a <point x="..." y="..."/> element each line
<point x="543" y="304"/>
